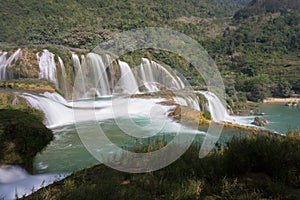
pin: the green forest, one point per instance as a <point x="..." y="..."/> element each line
<point x="254" y="43"/>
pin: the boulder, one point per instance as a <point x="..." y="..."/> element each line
<point x="260" y="121"/>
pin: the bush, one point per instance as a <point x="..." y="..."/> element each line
<point x="278" y="157"/>
<point x="258" y="167"/>
<point x="22" y="136"/>
<point x="207" y="115"/>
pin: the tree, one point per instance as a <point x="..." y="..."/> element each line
<point x="258" y="87"/>
<point x="284" y="88"/>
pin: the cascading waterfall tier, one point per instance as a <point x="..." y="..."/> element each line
<point x="101" y="76"/>
<point x="97" y="75"/>
<point x="216" y="108"/>
<point x="64" y="82"/>
<point x="48" y="70"/>
<point x="47" y="66"/>
<point x="55" y="108"/>
<point x="92" y="78"/>
<point x="154" y="75"/>
<point x="5" y="63"/>
<point x="128" y="83"/>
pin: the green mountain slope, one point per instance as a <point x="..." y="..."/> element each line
<point x="259" y="42"/>
<point x="77" y="23"/>
<point x="262" y="47"/>
<point x="257" y="7"/>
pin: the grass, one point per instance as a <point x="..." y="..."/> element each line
<point x="257" y="167"/>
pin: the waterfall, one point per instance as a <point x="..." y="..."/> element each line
<point x="91" y="70"/>
<point x="47" y="67"/>
<point x="99" y="76"/>
<point x="16" y="182"/>
<point x="216" y="108"/>
<point x="3" y="66"/>
<point x="191" y="102"/>
<point x="59" y="112"/>
<point x="55" y="97"/>
<point x="154" y="75"/>
<point x="94" y="77"/>
<point x="79" y="82"/>
<point x="4" y="63"/>
<point x="146" y="76"/>
<point x="127" y="80"/>
<point x="56" y="111"/>
<point x="64" y="85"/>
<point x="111" y="70"/>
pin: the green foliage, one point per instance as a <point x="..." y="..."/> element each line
<point x="207" y="115"/>
<point x="258" y="87"/>
<point x="261" y="44"/>
<point x="22" y="135"/>
<point x="248" y="168"/>
<point x="264" y="41"/>
<point x="85" y="23"/>
<point x="39" y="115"/>
<point x="279" y="157"/>
<point x="266" y="6"/>
<point x="284" y="88"/>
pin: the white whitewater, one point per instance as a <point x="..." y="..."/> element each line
<point x="16" y="182"/>
<point x="2" y="57"/>
<point x="57" y="113"/>
<point x="189" y="101"/>
<point x="9" y="174"/>
<point x="127" y="81"/>
<point x="152" y="74"/>
<point x="56" y="97"/>
<point x="80" y="81"/>
<point x="146" y="76"/>
<point x="91" y="70"/>
<point x="218" y="111"/>
<point x="47" y="66"/>
<point x="64" y="84"/>
<point x="5" y="63"/>
<point x="96" y="78"/>
<point x="99" y="77"/>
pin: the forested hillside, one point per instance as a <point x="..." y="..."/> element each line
<point x="262" y="50"/>
<point x="255" y="44"/>
<point x="79" y="23"/>
<point x="257" y="7"/>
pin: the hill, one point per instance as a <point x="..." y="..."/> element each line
<point x="264" y="47"/>
<point x="259" y="42"/>
<point x="82" y="23"/>
<point x="257" y="7"/>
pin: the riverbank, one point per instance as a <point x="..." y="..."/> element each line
<point x="282" y="100"/>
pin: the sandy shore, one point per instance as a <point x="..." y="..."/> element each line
<point x="281" y="100"/>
